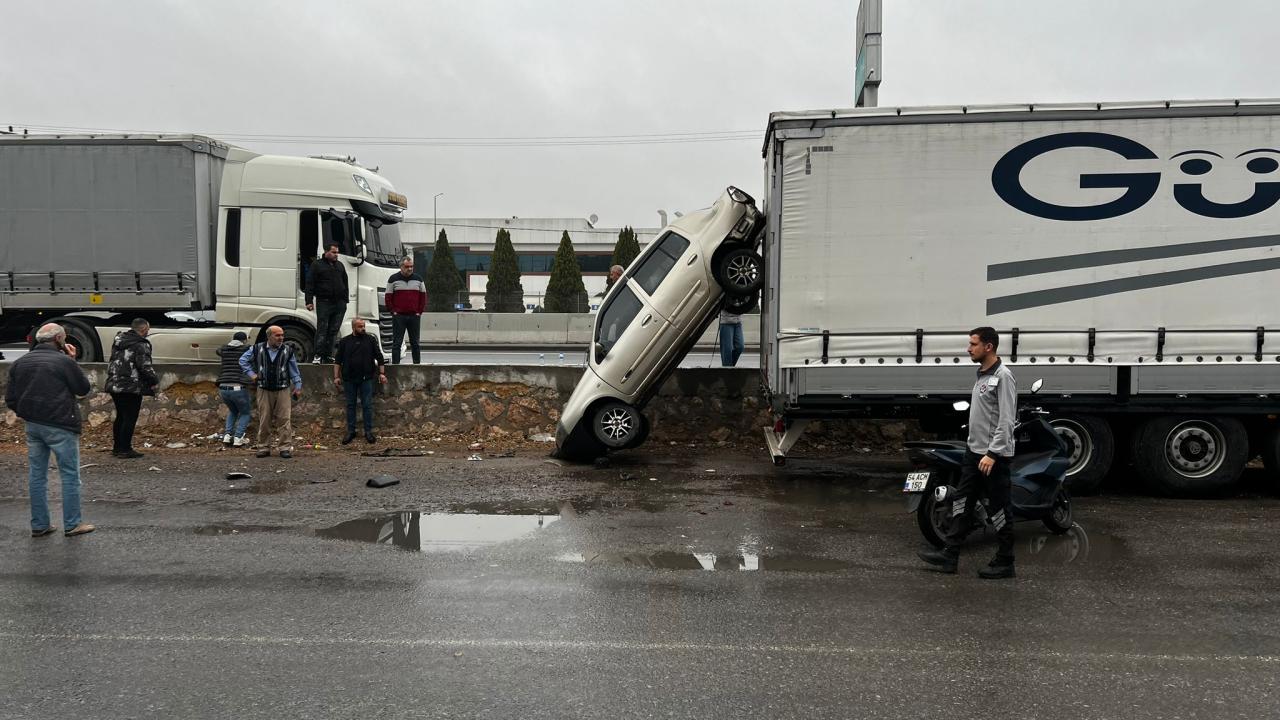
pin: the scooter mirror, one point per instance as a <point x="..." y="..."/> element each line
<point x="960" y="405"/>
<point x="1035" y="386"/>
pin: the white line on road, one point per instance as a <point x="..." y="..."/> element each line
<point x="609" y="645"/>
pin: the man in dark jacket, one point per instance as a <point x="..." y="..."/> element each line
<point x="359" y="358"/>
<point x="233" y="388"/>
<point x="43" y="386"/>
<point x="130" y="375"/>
<point x="406" y="301"/>
<point x="326" y="294"/>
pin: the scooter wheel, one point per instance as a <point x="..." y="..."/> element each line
<point x="1059" y="519"/>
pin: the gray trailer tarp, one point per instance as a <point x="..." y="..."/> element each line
<point x="108" y="219"/>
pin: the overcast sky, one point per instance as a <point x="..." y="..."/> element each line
<point x="517" y="70"/>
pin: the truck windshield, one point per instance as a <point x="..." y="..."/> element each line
<point x="382" y="244"/>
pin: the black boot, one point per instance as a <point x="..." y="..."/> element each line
<point x="943" y="561"/>
<point x="351" y="435"/>
<point x="998" y="569"/>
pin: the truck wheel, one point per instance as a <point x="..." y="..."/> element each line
<point x="80" y="335"/>
<point x="1091" y="445"/>
<point x="616" y="424"/>
<point x="301" y="340"/>
<point x="740" y="271"/>
<point x="1187" y="456"/>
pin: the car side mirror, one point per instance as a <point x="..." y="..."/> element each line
<point x="1035" y="386"/>
<point x="960" y="405"/>
<point x="600" y="351"/>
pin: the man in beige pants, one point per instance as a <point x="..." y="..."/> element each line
<point x="272" y="366"/>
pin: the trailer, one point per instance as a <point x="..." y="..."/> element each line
<point x="200" y="237"/>
<point x="1126" y="252"/>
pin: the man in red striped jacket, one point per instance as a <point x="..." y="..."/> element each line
<point x="406" y="301"/>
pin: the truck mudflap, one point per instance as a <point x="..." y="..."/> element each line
<point x="913" y="501"/>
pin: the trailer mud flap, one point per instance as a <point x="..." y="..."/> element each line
<point x="913" y="501"/>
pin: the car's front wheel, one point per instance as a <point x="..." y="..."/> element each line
<point x="616" y="424"/>
<point x="740" y="271"/>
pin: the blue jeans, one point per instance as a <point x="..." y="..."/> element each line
<point x="239" y="408"/>
<point x="731" y="344"/>
<point x="364" y="390"/>
<point x="65" y="446"/>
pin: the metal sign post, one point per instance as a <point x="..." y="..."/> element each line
<point x="867" y="71"/>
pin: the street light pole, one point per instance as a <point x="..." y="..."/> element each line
<point x="435" y="234"/>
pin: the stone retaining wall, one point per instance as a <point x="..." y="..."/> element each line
<point x="718" y="404"/>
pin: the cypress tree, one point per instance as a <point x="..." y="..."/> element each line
<point x="565" y="291"/>
<point x="627" y="248"/>
<point x="503" y="292"/>
<point x="443" y="279"/>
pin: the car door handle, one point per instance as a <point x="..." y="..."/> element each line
<point x="646" y="320"/>
<point x="691" y="260"/>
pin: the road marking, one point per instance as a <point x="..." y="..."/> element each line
<point x="617" y="645"/>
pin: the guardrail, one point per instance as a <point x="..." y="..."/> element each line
<point x="541" y="329"/>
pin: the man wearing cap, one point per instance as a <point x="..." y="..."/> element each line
<point x="233" y="388"/>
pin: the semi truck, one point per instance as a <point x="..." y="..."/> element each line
<point x="1127" y="253"/>
<point x="198" y="236"/>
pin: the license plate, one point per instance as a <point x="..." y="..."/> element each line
<point x="916" y="482"/>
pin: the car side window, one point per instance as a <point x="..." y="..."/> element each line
<point x="651" y="271"/>
<point x="621" y="310"/>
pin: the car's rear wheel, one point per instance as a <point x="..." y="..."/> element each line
<point x="740" y="271"/>
<point x="616" y="424"/>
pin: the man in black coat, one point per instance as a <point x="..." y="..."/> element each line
<point x="43" y="387"/>
<point x="326" y="293"/>
<point x="359" y="358"/>
<point x="130" y="375"/>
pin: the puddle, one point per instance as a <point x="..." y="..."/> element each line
<point x="744" y="562"/>
<point x="440" y="532"/>
<point x="232" y="529"/>
<point x="1074" y="547"/>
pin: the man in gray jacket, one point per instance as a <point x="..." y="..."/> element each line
<point x="993" y="410"/>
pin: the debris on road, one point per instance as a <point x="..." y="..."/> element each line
<point x="506" y="454"/>
<point x="475" y="446"/>
<point x="321" y="480"/>
<point x="393" y="452"/>
<point x="239" y="476"/>
<point x="88" y="465"/>
<point x="175" y="445"/>
<point x="542" y="437"/>
<point x="475" y="458"/>
<point x="381" y="481"/>
<point x="153" y="468"/>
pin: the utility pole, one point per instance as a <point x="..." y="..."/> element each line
<point x="435" y="234"/>
<point x="867" y="71"/>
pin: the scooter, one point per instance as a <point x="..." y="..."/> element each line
<point x="1037" y="477"/>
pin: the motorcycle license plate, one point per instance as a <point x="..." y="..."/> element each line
<point x="916" y="482"/>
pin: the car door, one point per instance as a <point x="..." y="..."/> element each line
<point x="627" y="341"/>
<point x="672" y="281"/>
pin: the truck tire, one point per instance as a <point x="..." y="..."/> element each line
<point x="80" y="335"/>
<point x="740" y="271"/>
<point x="616" y="424"/>
<point x="1270" y="446"/>
<point x="302" y="341"/>
<point x="1191" y="456"/>
<point x="1092" y="446"/>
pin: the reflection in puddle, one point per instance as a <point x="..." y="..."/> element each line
<point x="439" y="532"/>
<point x="707" y="561"/>
<point x="1074" y="547"/>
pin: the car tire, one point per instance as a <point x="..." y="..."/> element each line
<point x="741" y="305"/>
<point x="740" y="271"/>
<point x="1092" y="446"/>
<point x="1191" y="456"/>
<point x="642" y="435"/>
<point x="616" y="424"/>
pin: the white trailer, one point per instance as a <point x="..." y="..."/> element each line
<point x="201" y="238"/>
<point x="1126" y="252"/>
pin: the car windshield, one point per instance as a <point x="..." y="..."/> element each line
<point x="613" y="320"/>
<point x="655" y="266"/>
<point x="382" y="244"/>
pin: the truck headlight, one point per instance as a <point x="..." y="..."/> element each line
<point x="362" y="184"/>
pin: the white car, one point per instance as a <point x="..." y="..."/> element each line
<point x="653" y="315"/>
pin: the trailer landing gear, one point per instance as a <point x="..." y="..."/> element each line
<point x="781" y="439"/>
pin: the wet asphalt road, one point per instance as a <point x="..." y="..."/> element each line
<point x="517" y="588"/>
